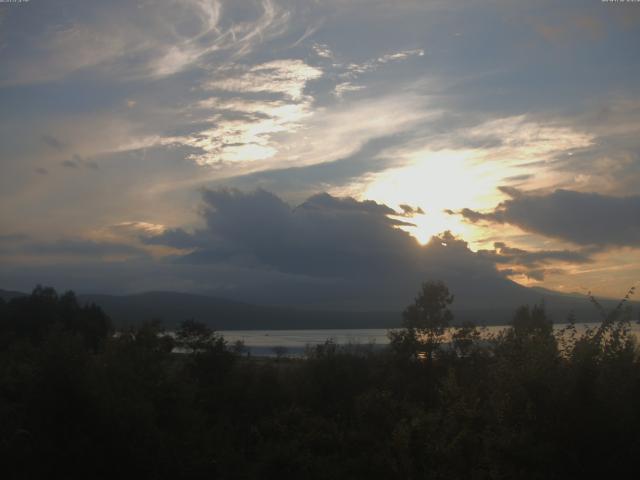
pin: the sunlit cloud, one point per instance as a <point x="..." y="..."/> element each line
<point x="286" y="77"/>
<point x="342" y="88"/>
<point x="441" y="179"/>
<point x="322" y="50"/>
<point x="436" y="181"/>
<point x="354" y="70"/>
<point x="242" y="128"/>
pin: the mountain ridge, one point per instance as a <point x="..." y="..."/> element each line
<point x="226" y="314"/>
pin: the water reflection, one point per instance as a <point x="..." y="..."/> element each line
<point x="275" y="343"/>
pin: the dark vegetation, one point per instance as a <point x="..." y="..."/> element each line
<point x="222" y="314"/>
<point x="78" y="401"/>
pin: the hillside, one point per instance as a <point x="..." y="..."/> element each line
<point x="224" y="314"/>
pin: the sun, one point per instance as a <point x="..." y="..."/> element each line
<point x="439" y="182"/>
<point x="429" y="224"/>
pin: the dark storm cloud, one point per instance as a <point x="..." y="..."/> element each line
<point x="581" y="218"/>
<point x="174" y="237"/>
<point x="322" y="236"/>
<point x="327" y="203"/>
<point x="353" y="245"/>
<point x="327" y="252"/>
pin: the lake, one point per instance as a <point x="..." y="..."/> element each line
<point x="264" y="342"/>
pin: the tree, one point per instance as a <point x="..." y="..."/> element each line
<point x="532" y="322"/>
<point x="196" y="336"/>
<point x="464" y="338"/>
<point x="36" y="316"/>
<point x="425" y="321"/>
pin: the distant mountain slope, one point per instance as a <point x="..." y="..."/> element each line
<point x="7" y="295"/>
<point x="223" y="314"/>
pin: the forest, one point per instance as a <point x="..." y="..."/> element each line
<point x="442" y="401"/>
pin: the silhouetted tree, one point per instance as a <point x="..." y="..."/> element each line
<point x="196" y="336"/>
<point x="425" y="321"/>
<point x="35" y="316"/>
<point x="464" y="338"/>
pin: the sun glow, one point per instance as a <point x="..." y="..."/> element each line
<point x="439" y="181"/>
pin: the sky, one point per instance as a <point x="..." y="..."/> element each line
<point x="320" y="152"/>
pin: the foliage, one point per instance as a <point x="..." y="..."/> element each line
<point x="425" y="321"/>
<point x="78" y="401"/>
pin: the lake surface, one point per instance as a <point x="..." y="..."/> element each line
<point x="295" y="342"/>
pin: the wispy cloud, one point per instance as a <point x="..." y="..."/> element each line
<point x="322" y="50"/>
<point x="78" y="162"/>
<point x="354" y="70"/>
<point x="242" y="126"/>
<point x="141" y="40"/>
<point x="345" y="87"/>
<point x="285" y="77"/>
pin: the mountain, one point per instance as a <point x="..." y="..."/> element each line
<point x="223" y="314"/>
<point x="7" y="295"/>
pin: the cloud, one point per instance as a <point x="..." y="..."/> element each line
<point x="345" y="87"/>
<point x="138" y="227"/>
<point x="329" y="252"/>
<point x="503" y="253"/>
<point x="577" y="217"/>
<point x="565" y="29"/>
<point x="136" y="40"/>
<point x="78" y="162"/>
<point x="172" y="237"/>
<point x="286" y="77"/>
<point x="535" y="264"/>
<point x="519" y="178"/>
<point x="298" y="183"/>
<point x="83" y="247"/>
<point x="238" y="38"/>
<point x="352" y="70"/>
<point x="410" y="211"/>
<point x="389" y="57"/>
<point x="241" y="127"/>
<point x="53" y="142"/>
<point x="279" y="125"/>
<point x="322" y="50"/>
<point x="12" y="238"/>
<point x="129" y="85"/>
<point x="70" y="164"/>
<point x="355" y="244"/>
<point x="323" y="236"/>
<point x="24" y="246"/>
